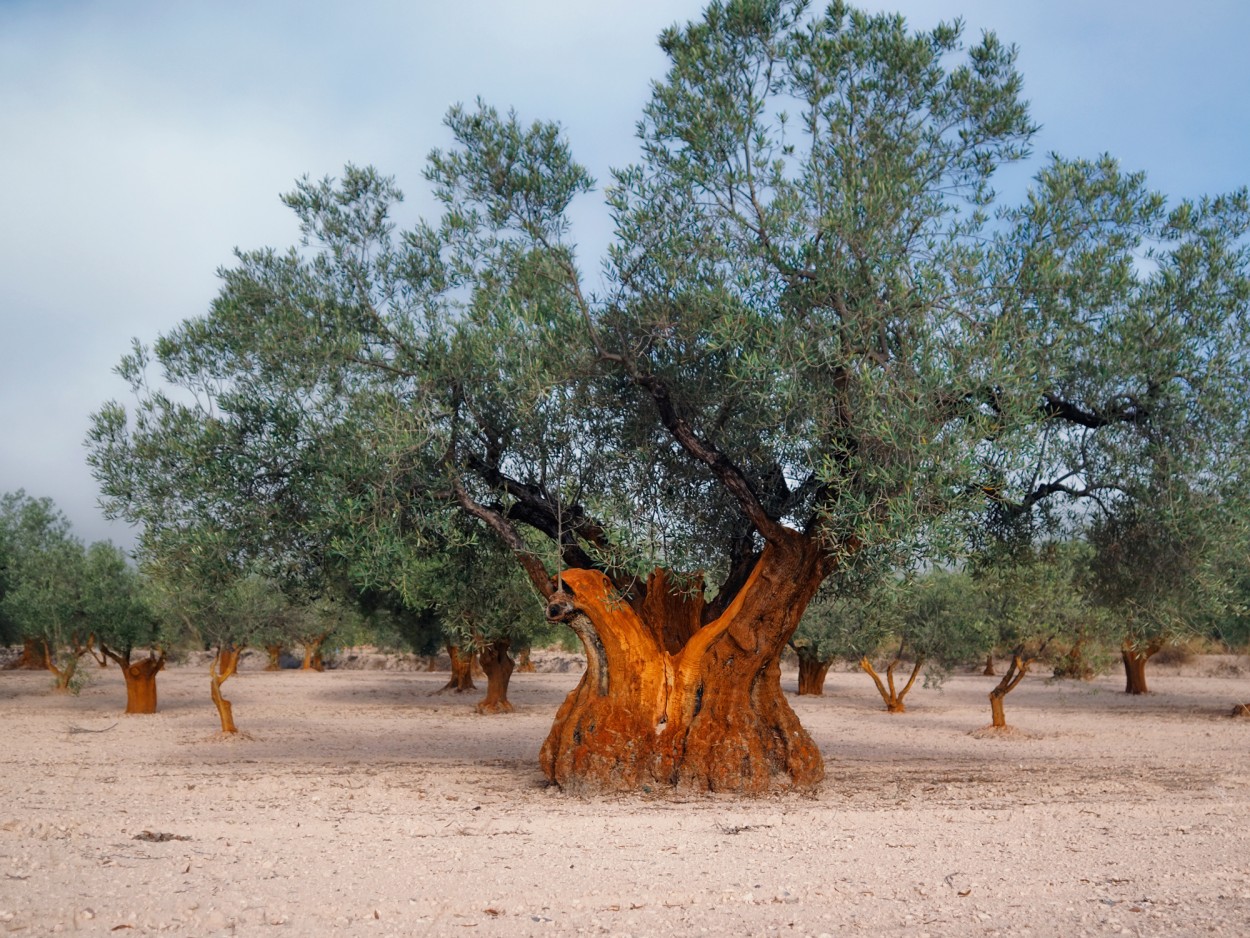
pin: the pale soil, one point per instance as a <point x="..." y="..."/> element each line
<point x="364" y="806"/>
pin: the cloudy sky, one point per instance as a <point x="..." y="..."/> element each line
<point x="142" y="140"/>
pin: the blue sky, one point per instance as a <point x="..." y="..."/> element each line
<point x="143" y="140"/>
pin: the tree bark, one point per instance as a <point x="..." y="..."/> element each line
<point x="1135" y="659"/>
<point x="989" y="665"/>
<point x="141" y="684"/>
<point x="140" y="678"/>
<point x="221" y="670"/>
<point x="894" y="698"/>
<point x="812" y="673"/>
<point x="275" y="657"/>
<point x="461" y="671"/>
<point x="524" y="664"/>
<point x="1014" y="675"/>
<point x="667" y="701"/>
<point x="498" y="665"/>
<point x="34" y="657"/>
<point x="312" y="654"/>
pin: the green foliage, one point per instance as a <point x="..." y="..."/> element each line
<point x="816" y="313"/>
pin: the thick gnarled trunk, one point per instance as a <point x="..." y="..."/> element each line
<point x="1135" y="658"/>
<point x="313" y="660"/>
<point x="140" y="677"/>
<point x="894" y="698"/>
<point x="498" y="665"/>
<point x="812" y="673"/>
<point x="670" y="702"/>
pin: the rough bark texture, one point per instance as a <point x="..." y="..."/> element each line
<point x="989" y="665"/>
<point x="812" y="673"/>
<point x="1135" y="658"/>
<point x="275" y="657"/>
<point x="524" y="663"/>
<point x="893" y="697"/>
<point x="141" y="684"/>
<point x="461" y="672"/>
<point x="1015" y="674"/>
<point x="498" y="665"/>
<point x="669" y="702"/>
<point x="221" y="669"/>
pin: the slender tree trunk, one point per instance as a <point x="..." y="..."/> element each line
<point x="61" y="675"/>
<point x="498" y="665"/>
<point x="275" y="657"/>
<point x="989" y="665"/>
<point x="812" y="672"/>
<point x="221" y="670"/>
<point x="461" y="671"/>
<point x="670" y="701"/>
<point x="1015" y="674"/>
<point x="894" y="698"/>
<point x="524" y="664"/>
<point x="1135" y="659"/>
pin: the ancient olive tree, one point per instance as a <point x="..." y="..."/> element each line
<point x="811" y="336"/>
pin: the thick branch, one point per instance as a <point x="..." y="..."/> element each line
<point x="508" y="534"/>
<point x="725" y="470"/>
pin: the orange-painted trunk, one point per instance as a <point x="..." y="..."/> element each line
<point x="812" y="673"/>
<point x="312" y="655"/>
<point x="524" y="663"/>
<point x="34" y="657"/>
<point x="498" y="665"/>
<point x="989" y="665"/>
<point x="275" y="658"/>
<point x="461" y="671"/>
<point x="1135" y="667"/>
<point x="222" y="668"/>
<point x="670" y="701"/>
<point x="895" y="699"/>
<point x="141" y="684"/>
<point x="1015" y="673"/>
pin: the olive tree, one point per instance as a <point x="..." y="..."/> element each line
<point x="813" y="335"/>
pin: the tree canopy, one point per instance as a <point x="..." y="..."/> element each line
<point x="818" y="333"/>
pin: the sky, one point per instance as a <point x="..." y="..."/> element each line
<point x="142" y="141"/>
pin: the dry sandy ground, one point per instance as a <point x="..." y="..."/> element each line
<point x="364" y="806"/>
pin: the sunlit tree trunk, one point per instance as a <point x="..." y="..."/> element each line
<point x="140" y="678"/>
<point x="221" y="670"/>
<point x="524" y="663"/>
<point x="671" y="702"/>
<point x="498" y="665"/>
<point x="1015" y="673"/>
<point x="275" y="657"/>
<point x="893" y="697"/>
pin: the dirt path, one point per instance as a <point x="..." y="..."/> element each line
<point x="365" y="806"/>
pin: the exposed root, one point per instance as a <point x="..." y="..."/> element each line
<point x="220" y="737"/>
<point x="990" y="731"/>
<point x="501" y="706"/>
